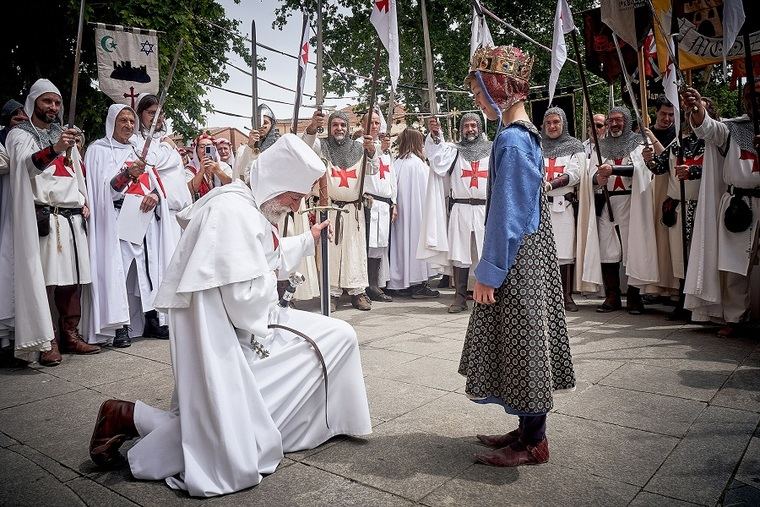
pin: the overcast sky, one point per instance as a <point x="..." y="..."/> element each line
<point x="280" y="69"/>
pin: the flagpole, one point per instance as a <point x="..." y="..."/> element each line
<point x="642" y="90"/>
<point x="629" y="87"/>
<point x="370" y="114"/>
<point x="594" y="135"/>
<point x="428" y="60"/>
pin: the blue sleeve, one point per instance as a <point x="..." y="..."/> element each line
<point x="514" y="205"/>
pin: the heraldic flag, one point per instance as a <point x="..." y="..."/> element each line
<point x="384" y="20"/>
<point x="127" y="62"/>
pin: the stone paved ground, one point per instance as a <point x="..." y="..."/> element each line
<point x="664" y="414"/>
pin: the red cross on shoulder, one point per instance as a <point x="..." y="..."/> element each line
<point x="474" y="174"/>
<point x="60" y="168"/>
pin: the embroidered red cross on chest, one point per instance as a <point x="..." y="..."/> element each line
<point x="474" y="174"/>
<point x="384" y="169"/>
<point x="693" y="161"/>
<point x="343" y="174"/>
<point x="618" y="184"/>
<point x="141" y="186"/>
<point x="749" y="155"/>
<point x="554" y="170"/>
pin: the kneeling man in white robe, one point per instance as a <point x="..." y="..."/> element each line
<point x="244" y="393"/>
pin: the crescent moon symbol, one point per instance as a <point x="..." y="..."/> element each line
<point x="105" y="45"/>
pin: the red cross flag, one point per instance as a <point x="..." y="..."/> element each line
<point x="563" y="23"/>
<point x="383" y="18"/>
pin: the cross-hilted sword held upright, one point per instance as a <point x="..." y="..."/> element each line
<point x="324" y="199"/>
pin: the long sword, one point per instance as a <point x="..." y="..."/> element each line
<point x="75" y="78"/>
<point x="324" y="198"/>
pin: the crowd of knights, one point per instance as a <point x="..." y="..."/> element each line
<point x="405" y="210"/>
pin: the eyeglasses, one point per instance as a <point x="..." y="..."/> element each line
<point x="599" y="125"/>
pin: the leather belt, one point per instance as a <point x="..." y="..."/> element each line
<point x="616" y="192"/>
<point x="339" y="220"/>
<point x="67" y="213"/>
<point x="744" y="192"/>
<point x="570" y="197"/>
<point x="386" y="200"/>
<point x="470" y="202"/>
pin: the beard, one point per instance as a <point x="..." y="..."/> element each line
<point x="471" y="136"/>
<point x="44" y="117"/>
<point x="339" y="138"/>
<point x="616" y="134"/>
<point x="273" y="211"/>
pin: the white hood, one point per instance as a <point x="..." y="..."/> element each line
<point x="289" y="165"/>
<point x="40" y="87"/>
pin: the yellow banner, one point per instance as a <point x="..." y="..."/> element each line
<point x="700" y="34"/>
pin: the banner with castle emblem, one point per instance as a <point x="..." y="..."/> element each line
<point x="127" y="62"/>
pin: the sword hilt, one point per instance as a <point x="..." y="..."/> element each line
<point x="323" y="208"/>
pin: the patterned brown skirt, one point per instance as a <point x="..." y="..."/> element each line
<point x="517" y="351"/>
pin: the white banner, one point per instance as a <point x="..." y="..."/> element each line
<point x="127" y="62"/>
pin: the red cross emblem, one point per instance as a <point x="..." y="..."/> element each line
<point x="749" y="155"/>
<point x="474" y="174"/>
<point x="305" y="53"/>
<point x="554" y="170"/>
<point x="382" y="5"/>
<point x="384" y="169"/>
<point x="693" y="161"/>
<point x="618" y="184"/>
<point x="343" y="174"/>
<point x="141" y="186"/>
<point x="60" y="168"/>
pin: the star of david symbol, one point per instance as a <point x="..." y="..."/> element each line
<point x="474" y="174"/>
<point x="554" y="170"/>
<point x="384" y="169"/>
<point x="344" y="175"/>
<point x="147" y="48"/>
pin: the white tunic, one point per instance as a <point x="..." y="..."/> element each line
<point x="295" y="225"/>
<point x="634" y="214"/>
<point x="382" y="184"/>
<point x="406" y="269"/>
<point x="468" y="180"/>
<point x="562" y="213"/>
<point x="7" y="302"/>
<point x="232" y="424"/>
<point x="740" y="169"/>
<point x="348" y="259"/>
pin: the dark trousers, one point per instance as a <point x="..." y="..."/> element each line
<point x="532" y="428"/>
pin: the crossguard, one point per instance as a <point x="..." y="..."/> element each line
<point x="323" y="208"/>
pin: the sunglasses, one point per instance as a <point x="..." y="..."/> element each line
<point x="599" y="125"/>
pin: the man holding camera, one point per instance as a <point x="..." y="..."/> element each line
<point x="51" y="257"/>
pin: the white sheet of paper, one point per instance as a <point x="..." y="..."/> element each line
<point x="133" y="223"/>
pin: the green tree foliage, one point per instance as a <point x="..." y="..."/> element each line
<point x="40" y="36"/>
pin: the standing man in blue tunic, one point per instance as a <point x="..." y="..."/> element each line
<point x="516" y="351"/>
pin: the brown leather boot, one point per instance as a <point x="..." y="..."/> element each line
<point x="516" y="454"/>
<point x="611" y="279"/>
<point x="51" y="357"/>
<point x="374" y="291"/>
<point x="114" y="426"/>
<point x="498" y="441"/>
<point x="460" y="287"/>
<point x="67" y="301"/>
<point x="567" y="272"/>
<point x="361" y="302"/>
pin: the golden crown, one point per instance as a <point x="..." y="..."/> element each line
<point x="506" y="60"/>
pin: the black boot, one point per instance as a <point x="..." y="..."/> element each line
<point x="460" y="286"/>
<point x="373" y="273"/>
<point x="611" y="278"/>
<point x="567" y="272"/>
<point x="633" y="301"/>
<point x="444" y="282"/>
<point x="153" y="328"/>
<point x="122" y="339"/>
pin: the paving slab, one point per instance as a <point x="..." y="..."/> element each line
<point x="428" y="372"/>
<point x="749" y="468"/>
<point x="741" y="391"/>
<point x="701" y="465"/>
<point x="52" y="467"/>
<point x="27" y="484"/>
<point x="96" y="495"/>
<point x="389" y="399"/>
<point x="155" y="388"/>
<point x="150" y="348"/>
<point x="5" y="440"/>
<point x="29" y="385"/>
<point x="543" y="485"/>
<point x="607" y="450"/>
<point x="412" y="343"/>
<point x="689" y="384"/>
<point x="108" y="366"/>
<point x="739" y="493"/>
<point x="58" y="427"/>
<point x="376" y="361"/>
<point x="644" y="411"/>
<point x="592" y="371"/>
<point x="646" y="499"/>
